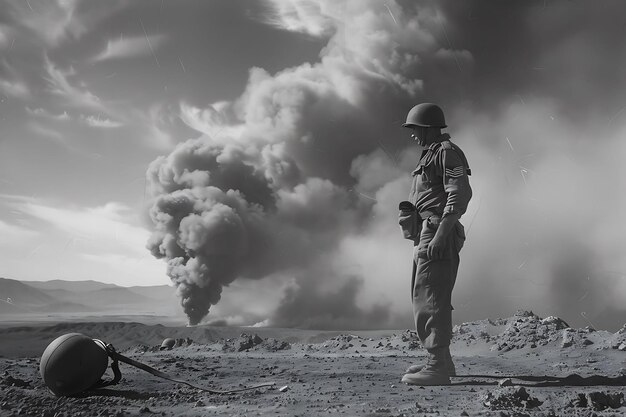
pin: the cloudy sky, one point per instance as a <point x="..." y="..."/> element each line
<point x="251" y="154"/>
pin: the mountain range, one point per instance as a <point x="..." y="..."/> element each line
<point x="19" y="299"/>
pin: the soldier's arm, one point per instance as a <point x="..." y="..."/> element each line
<point x="456" y="184"/>
<point x="458" y="191"/>
<point x="446" y="225"/>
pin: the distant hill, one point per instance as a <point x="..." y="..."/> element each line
<point x="28" y="298"/>
<point x="120" y="296"/>
<point x="158" y="292"/>
<point x="74" y="286"/>
<point x="21" y="294"/>
<point x="18" y="298"/>
<point x="66" y="290"/>
<point x="114" y="296"/>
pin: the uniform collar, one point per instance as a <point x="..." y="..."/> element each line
<point x="441" y="138"/>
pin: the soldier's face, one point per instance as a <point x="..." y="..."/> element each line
<point x="419" y="135"/>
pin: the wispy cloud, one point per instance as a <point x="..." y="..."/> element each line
<point x="51" y="20"/>
<point x="45" y="113"/>
<point x="130" y="47"/>
<point x="55" y="21"/>
<point x="303" y="16"/>
<point x="59" y="84"/>
<point x="16" y="89"/>
<point x="109" y="224"/>
<point x="94" y="121"/>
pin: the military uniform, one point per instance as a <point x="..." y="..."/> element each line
<point x="440" y="187"/>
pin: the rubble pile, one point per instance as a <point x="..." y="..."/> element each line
<point x="527" y="330"/>
<point x="243" y="342"/>
<point x="510" y="397"/>
<point x="410" y="337"/>
<point x="618" y="340"/>
<point x="406" y="340"/>
<point x="485" y="330"/>
<point x="247" y="342"/>
<point x="273" y="345"/>
<point x="342" y="342"/>
<point x="140" y="349"/>
<point x="578" y="338"/>
<point x="598" y="400"/>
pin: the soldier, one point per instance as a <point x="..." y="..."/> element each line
<point x="439" y="195"/>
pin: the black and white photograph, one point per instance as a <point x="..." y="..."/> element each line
<point x="312" y="208"/>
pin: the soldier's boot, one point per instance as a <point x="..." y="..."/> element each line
<point x="450" y="365"/>
<point x="435" y="372"/>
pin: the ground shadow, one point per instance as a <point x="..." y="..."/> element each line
<point x="573" y="380"/>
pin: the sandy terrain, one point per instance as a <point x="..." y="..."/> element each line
<point x="327" y="373"/>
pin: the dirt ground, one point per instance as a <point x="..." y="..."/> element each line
<point x="327" y="373"/>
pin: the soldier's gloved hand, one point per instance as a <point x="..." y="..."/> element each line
<point x="436" y="248"/>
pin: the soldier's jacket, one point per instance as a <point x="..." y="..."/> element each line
<point x="440" y="181"/>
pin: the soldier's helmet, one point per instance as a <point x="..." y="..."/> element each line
<point x="425" y="115"/>
<point x="72" y="363"/>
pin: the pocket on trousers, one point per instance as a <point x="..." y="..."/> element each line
<point x="409" y="223"/>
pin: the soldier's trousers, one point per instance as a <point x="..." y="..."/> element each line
<point x="432" y="283"/>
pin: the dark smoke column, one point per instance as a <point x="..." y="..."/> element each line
<point x="203" y="225"/>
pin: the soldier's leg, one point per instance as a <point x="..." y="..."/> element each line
<point x="432" y="291"/>
<point x="432" y="308"/>
<point x="458" y="240"/>
<point x="433" y="321"/>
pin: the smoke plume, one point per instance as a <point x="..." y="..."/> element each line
<point x="299" y="178"/>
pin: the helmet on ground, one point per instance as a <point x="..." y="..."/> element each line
<point x="425" y="115"/>
<point x="168" y="344"/>
<point x="72" y="363"/>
